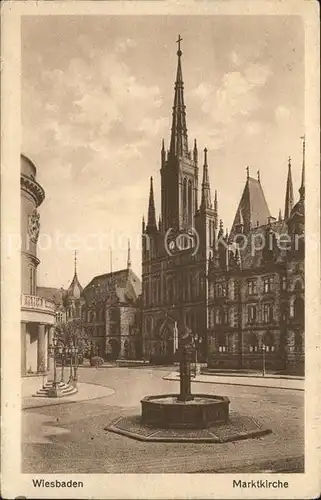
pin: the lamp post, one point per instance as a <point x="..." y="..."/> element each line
<point x="74" y="349"/>
<point x="263" y="359"/>
<point x="54" y="360"/>
<point x="197" y="340"/>
<point x="62" y="359"/>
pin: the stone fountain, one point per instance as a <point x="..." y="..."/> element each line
<point x="185" y="410"/>
<point x="187" y="417"/>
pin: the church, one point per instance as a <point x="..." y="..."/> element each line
<point x="239" y="305"/>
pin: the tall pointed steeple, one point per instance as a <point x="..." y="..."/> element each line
<point x="151" y="220"/>
<point x="206" y="190"/>
<point x="302" y="187"/>
<point x="129" y="262"/>
<point x="289" y="193"/>
<point x="75" y="288"/>
<point x="215" y="211"/>
<point x="179" y="144"/>
<point x="280" y="215"/>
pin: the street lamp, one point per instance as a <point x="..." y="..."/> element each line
<point x="263" y="359"/>
<point x="74" y="350"/>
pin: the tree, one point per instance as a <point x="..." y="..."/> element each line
<point x="73" y="333"/>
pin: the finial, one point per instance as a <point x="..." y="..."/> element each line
<point x="75" y="261"/>
<point x="247" y="172"/>
<point x="129" y="264"/>
<point x="289" y="161"/>
<point x="258" y="176"/>
<point x="195" y="144"/>
<point x="179" y="52"/>
<point x="221" y="224"/>
<point x="163" y="145"/>
<point x="205" y="156"/>
<point x="280" y="215"/>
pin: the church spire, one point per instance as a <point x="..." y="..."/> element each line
<point x="215" y="210"/>
<point x="179" y="145"/>
<point x="206" y="191"/>
<point x="151" y="220"/>
<point x="302" y="187"/>
<point x="75" y="264"/>
<point x="289" y="193"/>
<point x="129" y="263"/>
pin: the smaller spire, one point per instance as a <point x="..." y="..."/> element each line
<point x="163" y="145"/>
<point x="289" y="193"/>
<point x="280" y="215"/>
<point x="129" y="263"/>
<point x="258" y="176"/>
<point x="143" y="224"/>
<point x="221" y="230"/>
<point x="247" y="172"/>
<point x="206" y="191"/>
<point x="151" y="221"/>
<point x="215" y="210"/>
<point x="195" y="152"/>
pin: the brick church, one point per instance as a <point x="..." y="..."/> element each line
<point x="198" y="281"/>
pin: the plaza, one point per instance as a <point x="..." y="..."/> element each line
<point x="70" y="437"/>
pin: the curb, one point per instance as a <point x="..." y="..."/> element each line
<point x="63" y="401"/>
<point x="174" y="379"/>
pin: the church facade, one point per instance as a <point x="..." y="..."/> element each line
<point x="240" y="295"/>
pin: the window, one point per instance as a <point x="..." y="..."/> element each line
<point x="221" y="343"/>
<point x="221" y="290"/>
<point x="251" y="286"/>
<point x="221" y="316"/>
<point x="267" y="313"/>
<point x="268" y="284"/>
<point x="251" y="314"/>
<point x="283" y="283"/>
<point x="32" y="284"/>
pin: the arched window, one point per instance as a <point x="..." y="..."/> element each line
<point x="221" y="342"/>
<point x="190" y="202"/>
<point x="298" y="309"/>
<point x="184" y="198"/>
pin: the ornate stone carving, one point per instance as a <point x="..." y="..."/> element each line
<point x="34" y="226"/>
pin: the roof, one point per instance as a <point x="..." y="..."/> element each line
<point x="253" y="210"/>
<point x="258" y="242"/>
<point x="124" y="282"/>
<point x="75" y="289"/>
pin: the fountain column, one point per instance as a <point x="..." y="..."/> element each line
<point x="185" y="393"/>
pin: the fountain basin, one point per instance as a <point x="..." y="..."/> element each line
<point x="167" y="411"/>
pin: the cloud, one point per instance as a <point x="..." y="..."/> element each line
<point x="282" y="113"/>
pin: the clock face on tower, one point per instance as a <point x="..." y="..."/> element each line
<point x="180" y="241"/>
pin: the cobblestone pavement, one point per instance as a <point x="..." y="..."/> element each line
<point x="70" y="438"/>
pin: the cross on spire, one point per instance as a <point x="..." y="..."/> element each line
<point x="179" y="52"/>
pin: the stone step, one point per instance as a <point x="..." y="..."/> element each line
<point x="65" y="389"/>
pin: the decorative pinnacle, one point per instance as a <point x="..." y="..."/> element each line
<point x="247" y="172"/>
<point x="75" y="261"/>
<point x="179" y="52"/>
<point x="205" y="156"/>
<point x="258" y="176"/>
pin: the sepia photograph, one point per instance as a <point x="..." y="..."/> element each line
<point x="164" y="176"/>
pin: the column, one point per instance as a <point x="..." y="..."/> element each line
<point x="41" y="349"/>
<point x="50" y="342"/>
<point x="23" y="328"/>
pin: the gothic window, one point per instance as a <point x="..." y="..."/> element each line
<point x="283" y="283"/>
<point x="268" y="284"/>
<point x="253" y="343"/>
<point x="252" y="286"/>
<point x="267" y="313"/>
<point x="184" y="198"/>
<point x="251" y="313"/>
<point x="221" y="342"/>
<point x="190" y="207"/>
<point x="221" y="290"/>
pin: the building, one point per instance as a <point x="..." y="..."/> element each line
<point x="256" y="281"/>
<point x="177" y="250"/>
<point x="112" y="314"/>
<point x="196" y="279"/>
<point x="37" y="312"/>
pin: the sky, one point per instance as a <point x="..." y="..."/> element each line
<point x="97" y="96"/>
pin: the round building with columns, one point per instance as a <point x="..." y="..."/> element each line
<point x="37" y="313"/>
